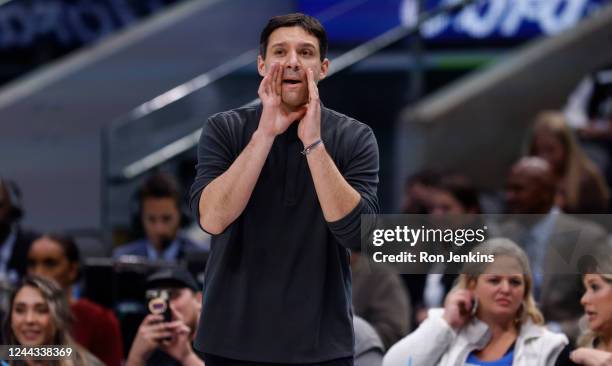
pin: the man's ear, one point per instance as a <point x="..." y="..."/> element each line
<point x="261" y="66"/>
<point x="324" y="69"/>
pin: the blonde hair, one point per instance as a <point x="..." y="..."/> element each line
<point x="61" y="317"/>
<point x="503" y="247"/>
<point x="603" y="269"/>
<point x="577" y="165"/>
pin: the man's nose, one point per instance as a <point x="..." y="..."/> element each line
<point x="292" y="60"/>
<point x="160" y="227"/>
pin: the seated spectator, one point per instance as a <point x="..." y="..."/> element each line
<point x="39" y="315"/>
<point x="160" y="214"/>
<point x="379" y="297"/>
<point x="543" y="233"/>
<point x="489" y="318"/>
<point x="96" y="328"/>
<point x="589" y="112"/>
<point x="369" y="349"/>
<point x="417" y="192"/>
<point x="454" y="194"/>
<point x="417" y="200"/>
<point x="596" y="343"/>
<point x="582" y="188"/>
<point x="589" y="107"/>
<point x="169" y="343"/>
<point x="454" y="201"/>
<point x="14" y="241"/>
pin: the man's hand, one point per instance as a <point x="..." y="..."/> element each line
<point x="179" y="345"/>
<point x="591" y="357"/>
<point x="309" y="129"/>
<point x="274" y="118"/>
<point x="151" y="331"/>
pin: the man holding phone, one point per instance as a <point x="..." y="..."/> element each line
<point x="281" y="187"/>
<point x="160" y="342"/>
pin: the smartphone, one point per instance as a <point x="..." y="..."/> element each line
<point x="474" y="306"/>
<point x="158" y="301"/>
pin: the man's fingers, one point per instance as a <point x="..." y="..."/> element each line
<point x="269" y="88"/>
<point x="278" y="81"/>
<point x="160" y="335"/>
<point x="265" y="86"/>
<point x="152" y="318"/>
<point x="174" y="325"/>
<point x="313" y="92"/>
<point x="183" y="329"/>
<point x="309" y="77"/>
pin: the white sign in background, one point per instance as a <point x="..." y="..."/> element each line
<point x="501" y="17"/>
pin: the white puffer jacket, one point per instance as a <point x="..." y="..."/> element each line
<point x="434" y="342"/>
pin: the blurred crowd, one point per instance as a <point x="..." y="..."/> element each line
<point x="540" y="315"/>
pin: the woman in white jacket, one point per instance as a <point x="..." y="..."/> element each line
<point x="489" y="318"/>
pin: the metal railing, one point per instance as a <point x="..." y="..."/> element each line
<point x="342" y="62"/>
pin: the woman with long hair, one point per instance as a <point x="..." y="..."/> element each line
<point x="595" y="344"/>
<point x="490" y="316"/>
<point x="582" y="187"/>
<point x="39" y="315"/>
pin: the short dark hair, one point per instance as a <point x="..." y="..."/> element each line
<point x="68" y="244"/>
<point x="160" y="185"/>
<point x="462" y="189"/>
<point x="310" y="24"/>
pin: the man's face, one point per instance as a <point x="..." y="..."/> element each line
<point x="527" y="194"/>
<point x="160" y="219"/>
<point x="188" y="304"/>
<point x="296" y="51"/>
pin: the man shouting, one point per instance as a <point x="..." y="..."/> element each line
<point x="281" y="187"/>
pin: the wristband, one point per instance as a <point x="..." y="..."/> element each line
<point x="310" y="147"/>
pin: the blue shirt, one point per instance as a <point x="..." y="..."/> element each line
<point x="506" y="360"/>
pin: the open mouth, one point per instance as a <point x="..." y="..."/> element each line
<point x="291" y="81"/>
<point x="30" y="334"/>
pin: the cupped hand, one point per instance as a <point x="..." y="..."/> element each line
<point x="309" y="129"/>
<point x="179" y="344"/>
<point x="275" y="119"/>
